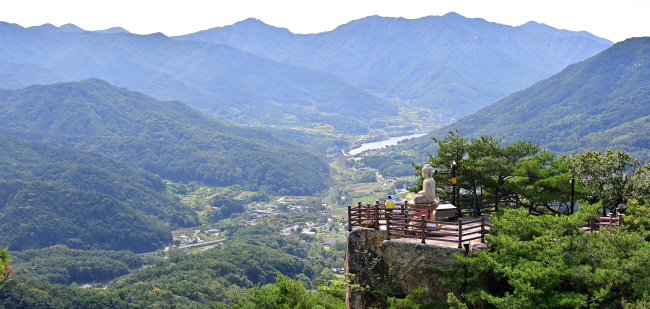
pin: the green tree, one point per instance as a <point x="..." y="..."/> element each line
<point x="289" y="294"/>
<point x="543" y="182"/>
<point x="613" y="177"/>
<point x="481" y="164"/>
<point x="5" y="264"/>
<point x="548" y="262"/>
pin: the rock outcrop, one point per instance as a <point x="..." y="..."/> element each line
<point x="395" y="267"/>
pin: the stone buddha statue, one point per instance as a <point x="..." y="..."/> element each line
<point x="428" y="193"/>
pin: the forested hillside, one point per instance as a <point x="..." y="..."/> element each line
<point x="37" y="214"/>
<point x="166" y="138"/>
<point x="217" y="79"/>
<point x="91" y="172"/>
<point x="597" y="104"/>
<point x="59" y="264"/>
<point x="253" y="256"/>
<point x="450" y="64"/>
<point x="85" y="200"/>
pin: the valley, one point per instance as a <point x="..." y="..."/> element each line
<point x="215" y="169"/>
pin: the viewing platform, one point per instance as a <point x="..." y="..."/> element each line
<point x="421" y="224"/>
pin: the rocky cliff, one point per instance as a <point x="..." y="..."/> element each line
<point x="379" y="268"/>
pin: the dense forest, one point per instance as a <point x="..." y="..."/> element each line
<point x="166" y="138"/>
<point x="253" y="256"/>
<point x="38" y="214"/>
<point x="93" y="172"/>
<point x="59" y="264"/>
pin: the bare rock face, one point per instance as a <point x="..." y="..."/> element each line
<point x="363" y="260"/>
<point x="395" y="267"/>
<point x="411" y="262"/>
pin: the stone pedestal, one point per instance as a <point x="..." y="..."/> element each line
<point x="434" y="206"/>
<point x="444" y="211"/>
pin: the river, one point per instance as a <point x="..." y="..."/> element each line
<point x="381" y="144"/>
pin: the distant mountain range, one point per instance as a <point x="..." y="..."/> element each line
<point x="450" y="64"/>
<point x="597" y="104"/>
<point x="167" y="138"/>
<point x="215" y="78"/>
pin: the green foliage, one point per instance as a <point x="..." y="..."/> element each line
<point x="165" y="138"/>
<point x="336" y="287"/>
<point x="289" y="294"/>
<point x="612" y="177"/>
<point x="415" y="300"/>
<point x="252" y="256"/>
<point x="266" y="236"/>
<point x="5" y="264"/>
<point x="637" y="216"/>
<point x="227" y="206"/>
<point x="482" y="164"/>
<point x="29" y="294"/>
<point x="540" y="179"/>
<point x="543" y="181"/>
<point x="548" y="262"/>
<point x="59" y="264"/>
<point x="367" y="176"/>
<point x="390" y="166"/>
<point x="36" y="215"/>
<point x="91" y="172"/>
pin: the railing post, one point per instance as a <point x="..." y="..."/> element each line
<point x="475" y="206"/>
<point x="387" y="225"/>
<point x="424" y="230"/>
<point x="573" y="194"/>
<point x="377" y="216"/>
<point x="429" y="212"/>
<point x="482" y="228"/>
<point x="368" y="212"/>
<point x="592" y="223"/>
<point x="497" y="201"/>
<point x="611" y="219"/>
<point x="619" y="217"/>
<point x="401" y="208"/>
<point x="406" y="219"/>
<point x="460" y="233"/>
<point x="350" y="218"/>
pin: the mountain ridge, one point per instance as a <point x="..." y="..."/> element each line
<point x="597" y="104"/>
<point x="215" y="78"/>
<point x="430" y="60"/>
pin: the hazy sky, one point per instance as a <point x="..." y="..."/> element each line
<point x="614" y="20"/>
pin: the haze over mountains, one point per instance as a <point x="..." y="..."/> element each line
<point x="217" y="79"/>
<point x="597" y="104"/>
<point x="450" y="64"/>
